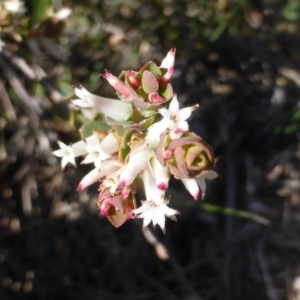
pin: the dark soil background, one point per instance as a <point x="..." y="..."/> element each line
<point x="240" y="61"/>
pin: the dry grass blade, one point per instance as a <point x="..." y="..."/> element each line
<point x="31" y="110"/>
<point x="7" y="105"/>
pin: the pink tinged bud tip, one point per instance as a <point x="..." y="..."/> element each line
<point x="196" y="195"/>
<point x="80" y="188"/>
<point x="162" y="186"/>
<point x="134" y="81"/>
<point x="122" y="183"/>
<point x="125" y="193"/>
<point x="192" y="186"/>
<point x="156" y="98"/>
<point x="103" y="212"/>
<point x="166" y="77"/>
<point x="167" y="154"/>
<point x="118" y="85"/>
<point x="178" y="130"/>
<point x="129" y="216"/>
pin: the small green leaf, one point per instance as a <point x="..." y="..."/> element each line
<point x="39" y="9"/>
<point x="66" y="88"/>
<point x="151" y="67"/>
<point x="124" y="148"/>
<point x="87" y="129"/>
<point x="154" y="69"/>
<point x="149" y="82"/>
<point x="166" y="91"/>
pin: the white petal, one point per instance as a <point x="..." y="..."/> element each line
<point x="154" y="132"/>
<point x="211" y="175"/>
<point x="79" y="148"/>
<point x="106" y="168"/>
<point x="153" y="193"/>
<point x="183" y="125"/>
<point x="109" y="144"/>
<point x="164" y="112"/>
<point x="89" y="179"/>
<point x="137" y="162"/>
<point x="160" y="218"/>
<point x="148" y="217"/>
<point x="81" y="103"/>
<point x="59" y="153"/>
<point x="169" y="211"/>
<point x="168" y="61"/>
<point x="202" y="184"/>
<point x="184" y="113"/>
<point x="174" y="106"/>
<point x="192" y="186"/>
<point x="66" y="159"/>
<point x="90" y="158"/>
<point x="139" y="210"/>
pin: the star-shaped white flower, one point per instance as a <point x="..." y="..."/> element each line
<point x="155" y="207"/>
<point x="174" y="121"/>
<point x="155" y="211"/>
<point x="101" y="150"/>
<point x="67" y="154"/>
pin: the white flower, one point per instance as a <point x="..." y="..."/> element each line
<point x="97" y="152"/>
<point x="68" y="153"/>
<point x="115" y="109"/>
<point x="155" y="211"/>
<point x="174" y="120"/>
<point x="193" y="184"/>
<point x="155" y="207"/>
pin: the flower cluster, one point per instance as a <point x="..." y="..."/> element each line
<point x="139" y="141"/>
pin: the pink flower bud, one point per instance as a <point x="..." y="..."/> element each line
<point x="125" y="90"/>
<point x="133" y="80"/>
<point x="168" y="61"/>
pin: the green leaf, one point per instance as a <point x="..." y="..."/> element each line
<point x="154" y="69"/>
<point x="125" y="148"/>
<point x="149" y="82"/>
<point x="87" y="129"/>
<point x="39" y="9"/>
<point x="166" y="91"/>
<point x="151" y="67"/>
<point x="66" y="88"/>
